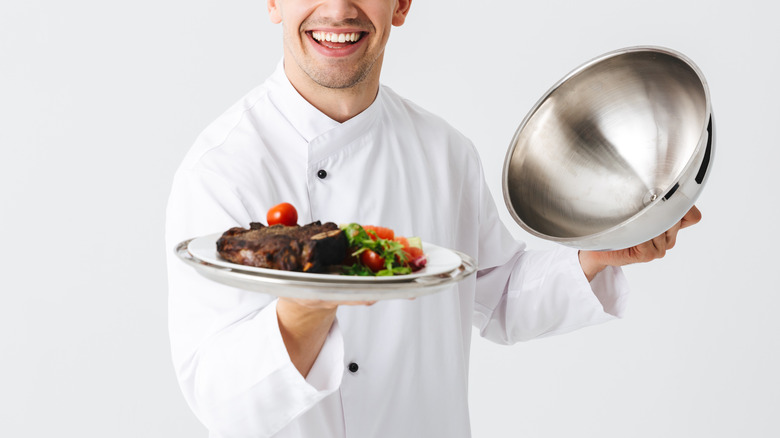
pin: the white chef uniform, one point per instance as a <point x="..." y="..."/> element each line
<point x="398" y="368"/>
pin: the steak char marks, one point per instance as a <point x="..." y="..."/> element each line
<point x="310" y="248"/>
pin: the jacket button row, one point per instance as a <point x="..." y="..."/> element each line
<point x="321" y="174"/>
<point x="353" y="367"/>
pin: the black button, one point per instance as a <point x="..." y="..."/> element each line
<point x="321" y="174"/>
<point x="353" y="367"/>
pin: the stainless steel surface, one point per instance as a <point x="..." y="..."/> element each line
<point x="615" y="153"/>
<point x="331" y="289"/>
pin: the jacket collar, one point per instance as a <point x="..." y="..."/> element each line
<point x="311" y="123"/>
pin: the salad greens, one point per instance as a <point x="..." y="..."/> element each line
<point x="392" y="254"/>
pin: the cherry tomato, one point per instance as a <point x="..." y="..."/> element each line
<point x="372" y="260"/>
<point x="381" y="232"/>
<point x="412" y="252"/>
<point x="284" y="214"/>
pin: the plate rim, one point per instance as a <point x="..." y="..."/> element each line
<point x="327" y="290"/>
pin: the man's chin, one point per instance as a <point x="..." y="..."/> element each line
<point x="339" y="80"/>
<point x="337" y="85"/>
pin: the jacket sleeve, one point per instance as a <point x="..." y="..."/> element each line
<point x="228" y="353"/>
<point x="522" y="295"/>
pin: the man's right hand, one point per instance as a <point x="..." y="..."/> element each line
<point x="304" y="325"/>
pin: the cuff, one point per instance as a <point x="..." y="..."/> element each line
<point x="609" y="286"/>
<point x="250" y="387"/>
<point x="328" y="368"/>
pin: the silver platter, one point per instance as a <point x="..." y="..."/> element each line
<point x="328" y="288"/>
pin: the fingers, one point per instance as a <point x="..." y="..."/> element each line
<point x="693" y="216"/>
<point x="325" y="304"/>
<point x="356" y="303"/>
<point x="671" y="235"/>
<point x="655" y="248"/>
<point x="652" y="249"/>
<point x="309" y="304"/>
<point x="671" y="238"/>
<point x="659" y="246"/>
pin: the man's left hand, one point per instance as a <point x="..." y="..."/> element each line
<point x="593" y="262"/>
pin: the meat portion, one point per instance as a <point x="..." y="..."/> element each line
<point x="310" y="248"/>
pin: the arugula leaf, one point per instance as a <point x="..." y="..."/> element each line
<point x="356" y="235"/>
<point x="390" y="250"/>
<point x="357" y="269"/>
<point x="398" y="270"/>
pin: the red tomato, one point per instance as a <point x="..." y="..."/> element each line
<point x="284" y="214"/>
<point x="372" y="260"/>
<point x="381" y="232"/>
<point x="411" y="251"/>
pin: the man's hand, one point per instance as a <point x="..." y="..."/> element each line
<point x="593" y="262"/>
<point x="304" y="325"/>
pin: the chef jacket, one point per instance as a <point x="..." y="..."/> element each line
<point x="398" y="368"/>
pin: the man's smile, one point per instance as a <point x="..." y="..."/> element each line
<point x="324" y="38"/>
<point x="337" y="42"/>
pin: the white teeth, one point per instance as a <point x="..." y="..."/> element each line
<point x="336" y="37"/>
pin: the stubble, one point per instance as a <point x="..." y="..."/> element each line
<point x="336" y="73"/>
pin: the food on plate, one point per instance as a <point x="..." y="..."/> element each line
<point x="283" y="213"/>
<point x="379" y="232"/>
<point x="308" y="248"/>
<point x="350" y="249"/>
<point x="376" y="251"/>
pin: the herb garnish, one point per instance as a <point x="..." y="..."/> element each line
<point x="391" y="251"/>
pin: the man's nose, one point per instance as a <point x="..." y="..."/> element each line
<point x="339" y="9"/>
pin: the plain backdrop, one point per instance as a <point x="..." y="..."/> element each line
<point x="100" y="100"/>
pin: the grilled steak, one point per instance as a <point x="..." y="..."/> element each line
<point x="310" y="248"/>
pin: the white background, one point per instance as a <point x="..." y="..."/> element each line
<point x="100" y="100"/>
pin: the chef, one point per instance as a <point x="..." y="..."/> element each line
<point x="323" y="134"/>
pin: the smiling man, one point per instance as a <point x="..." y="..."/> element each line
<point x="323" y="134"/>
<point x="335" y="50"/>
